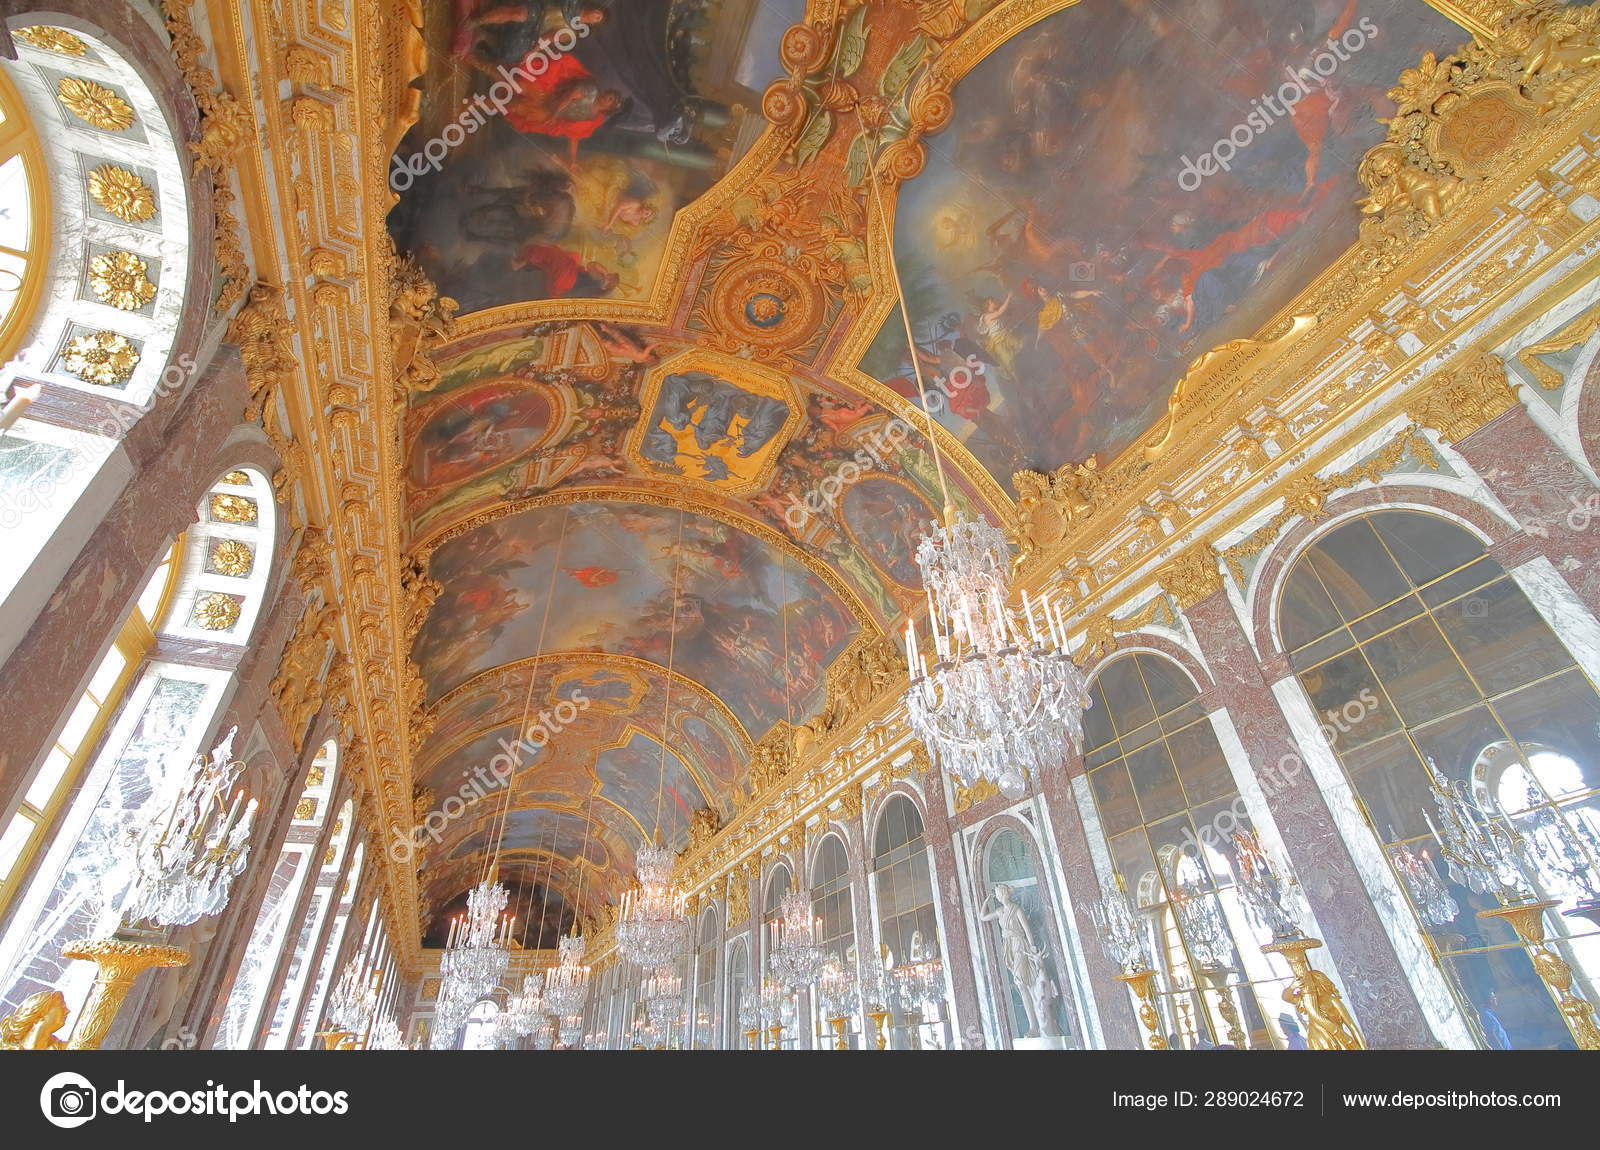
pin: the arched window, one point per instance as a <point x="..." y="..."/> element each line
<point x="738" y="983"/>
<point x="1420" y="653"/>
<point x="1169" y="809"/>
<point x="25" y="227"/>
<point x="903" y="884"/>
<point x="778" y="879"/>
<point x="326" y="974"/>
<point x="23" y="835"/>
<point x="304" y="952"/>
<point x="1035" y="1005"/>
<point x="479" y="1031"/>
<point x="705" y="983"/>
<point x="257" y="974"/>
<point x="93" y="271"/>
<point x="831" y="900"/>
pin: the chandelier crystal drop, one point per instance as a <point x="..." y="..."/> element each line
<point x="1485" y="851"/>
<point x="188" y="854"/>
<point x="796" y="958"/>
<point x="1001" y="689"/>
<point x="566" y="987"/>
<point x="1428" y="893"/>
<point x="386" y="1035"/>
<point x="477" y="952"/>
<point x="652" y="924"/>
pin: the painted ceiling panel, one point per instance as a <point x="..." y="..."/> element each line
<point x="560" y="177"/>
<point x="1066" y="239"/>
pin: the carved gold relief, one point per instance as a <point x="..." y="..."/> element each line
<point x="306" y="808"/>
<point x="1457" y="403"/>
<point x="1191" y="577"/>
<point x="121" y="279"/>
<point x="51" y="40"/>
<point x="33" y="1025"/>
<point x="232" y="508"/>
<point x="122" y="193"/>
<point x="232" y="557"/>
<point x="94" y="104"/>
<point x="261" y="333"/>
<point x="105" y="358"/>
<point x="215" y="612"/>
<point x="967" y="797"/>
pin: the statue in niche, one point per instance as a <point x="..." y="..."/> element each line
<point x="1023" y="959"/>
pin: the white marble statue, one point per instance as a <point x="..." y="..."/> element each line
<point x="1023" y="959"/>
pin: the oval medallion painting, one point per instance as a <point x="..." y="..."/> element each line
<point x="476" y="430"/>
<point x="886" y="518"/>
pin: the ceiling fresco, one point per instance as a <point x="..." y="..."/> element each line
<point x="567" y="406"/>
<point x="561" y="178"/>
<point x="652" y="582"/>
<point x="674" y="421"/>
<point x="1074" y="237"/>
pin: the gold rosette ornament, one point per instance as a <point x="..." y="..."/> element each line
<point x="51" y="40"/>
<point x="122" y="193"/>
<point x="216" y="612"/>
<point x="95" y="104"/>
<point x="105" y="358"/>
<point x="121" y="280"/>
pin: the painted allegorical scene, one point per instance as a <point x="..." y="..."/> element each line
<point x="564" y="181"/>
<point x="1066" y="240"/>
<point x="714" y="602"/>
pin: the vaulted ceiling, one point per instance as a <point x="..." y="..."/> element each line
<point x="662" y="464"/>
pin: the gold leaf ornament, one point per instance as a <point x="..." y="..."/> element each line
<point x="232" y="557"/>
<point x="104" y="357"/>
<point x="216" y="611"/>
<point x="51" y="40"/>
<point x="122" y="193"/>
<point x="95" y="104"/>
<point x="122" y="280"/>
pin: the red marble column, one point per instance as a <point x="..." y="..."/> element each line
<point x="958" y="958"/>
<point x="1546" y="493"/>
<point x="71" y="633"/>
<point x="1118" y="1023"/>
<point x="1379" y="992"/>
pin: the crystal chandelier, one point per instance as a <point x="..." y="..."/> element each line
<point x="663" y="995"/>
<point x="1121" y="936"/>
<point x="920" y="982"/>
<point x="571" y="1033"/>
<point x="385" y="1035"/>
<point x="795" y="956"/>
<point x="527" y="1006"/>
<point x="1002" y="688"/>
<point x="567" y="984"/>
<point x="1428" y="894"/>
<point x="1265" y="895"/>
<point x="186" y="858"/>
<point x="1485" y="852"/>
<point x="652" y="924"/>
<point x="478" y="949"/>
<point x="354" y="1000"/>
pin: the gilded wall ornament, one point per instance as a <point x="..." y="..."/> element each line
<point x="51" y="40"/>
<point x="95" y="104"/>
<point x="237" y="479"/>
<point x="1459" y="402"/>
<point x="232" y="557"/>
<point x="1191" y="577"/>
<point x="968" y="797"/>
<point x="121" y="279"/>
<point x="306" y="808"/>
<point x="215" y="612"/>
<point x="122" y="193"/>
<point x="232" y="508"/>
<point x="105" y="358"/>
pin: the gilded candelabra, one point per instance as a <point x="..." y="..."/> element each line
<point x="1312" y="994"/>
<point x="1528" y="921"/>
<point x="1122" y="939"/>
<point x="1143" y="985"/>
<point x="119" y="964"/>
